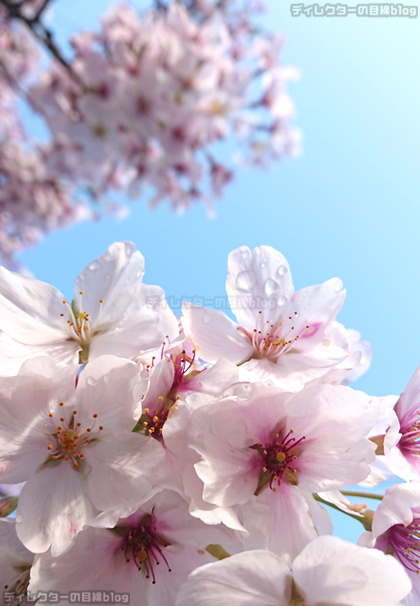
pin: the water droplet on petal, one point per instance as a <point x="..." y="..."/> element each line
<point x="338" y="285"/>
<point x="282" y="270"/>
<point x="94" y="265"/>
<point x="245" y="254"/>
<point x="91" y="381"/>
<point x="270" y="286"/>
<point x="19" y="519"/>
<point x="282" y="300"/>
<point x="206" y="319"/>
<point x="245" y="280"/>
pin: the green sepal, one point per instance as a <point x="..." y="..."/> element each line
<point x="84" y="353"/>
<point x="263" y="480"/>
<point x="139" y="427"/>
<point x="7" y="506"/>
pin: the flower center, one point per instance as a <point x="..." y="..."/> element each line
<point x="278" y="457"/>
<point x="152" y="422"/>
<point x="272" y="340"/>
<point x="409" y="443"/>
<point x="17" y="586"/>
<point x="71" y="438"/>
<point x="405" y="541"/>
<point x="79" y="325"/>
<point x="143" y="546"/>
<point x="182" y="365"/>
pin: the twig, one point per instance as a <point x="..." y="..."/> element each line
<point x="40" y="31"/>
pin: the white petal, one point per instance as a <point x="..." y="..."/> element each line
<point x="260" y="281"/>
<point x="53" y="509"/>
<point x="30" y="309"/>
<point x="251" y="578"/>
<point x="114" y="277"/>
<point x="125" y="472"/>
<point x="332" y="571"/>
<point x="214" y="335"/>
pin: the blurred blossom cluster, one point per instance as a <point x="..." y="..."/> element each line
<point x="139" y="109"/>
<point x="33" y="200"/>
<point x="189" y="461"/>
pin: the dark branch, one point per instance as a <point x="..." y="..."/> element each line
<point x="39" y="31"/>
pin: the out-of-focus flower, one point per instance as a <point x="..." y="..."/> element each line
<point x="328" y="571"/>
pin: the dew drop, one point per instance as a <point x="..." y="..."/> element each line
<point x="282" y="300"/>
<point x="19" y="519"/>
<point x="94" y="265"/>
<point x="282" y="270"/>
<point x="206" y="319"/>
<point x="338" y="285"/>
<point x="91" y="381"/>
<point x="245" y="254"/>
<point x="245" y="280"/>
<point x="270" y="286"/>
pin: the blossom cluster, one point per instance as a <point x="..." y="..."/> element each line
<point x="151" y="95"/>
<point x="33" y="201"/>
<point x="140" y="108"/>
<point x="188" y="461"/>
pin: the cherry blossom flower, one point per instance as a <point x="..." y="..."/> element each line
<point x="15" y="564"/>
<point x="401" y="442"/>
<point x="147" y="555"/>
<point x="395" y="530"/>
<point x="266" y="452"/>
<point x="71" y="444"/>
<point x="112" y="312"/>
<point x="328" y="571"/>
<point x="282" y="336"/>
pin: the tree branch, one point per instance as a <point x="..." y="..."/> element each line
<point x="39" y="31"/>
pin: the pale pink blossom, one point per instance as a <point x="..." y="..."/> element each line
<point x="264" y="452"/>
<point x="402" y="439"/>
<point x="327" y="571"/>
<point x="395" y="530"/>
<point x="286" y="337"/>
<point x="15" y="564"/>
<point x="112" y="312"/>
<point x="75" y="448"/>
<point x="147" y="555"/>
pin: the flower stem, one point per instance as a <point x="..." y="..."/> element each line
<point x="365" y="520"/>
<point x="363" y="495"/>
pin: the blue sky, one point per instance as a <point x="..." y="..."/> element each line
<point x="349" y="207"/>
